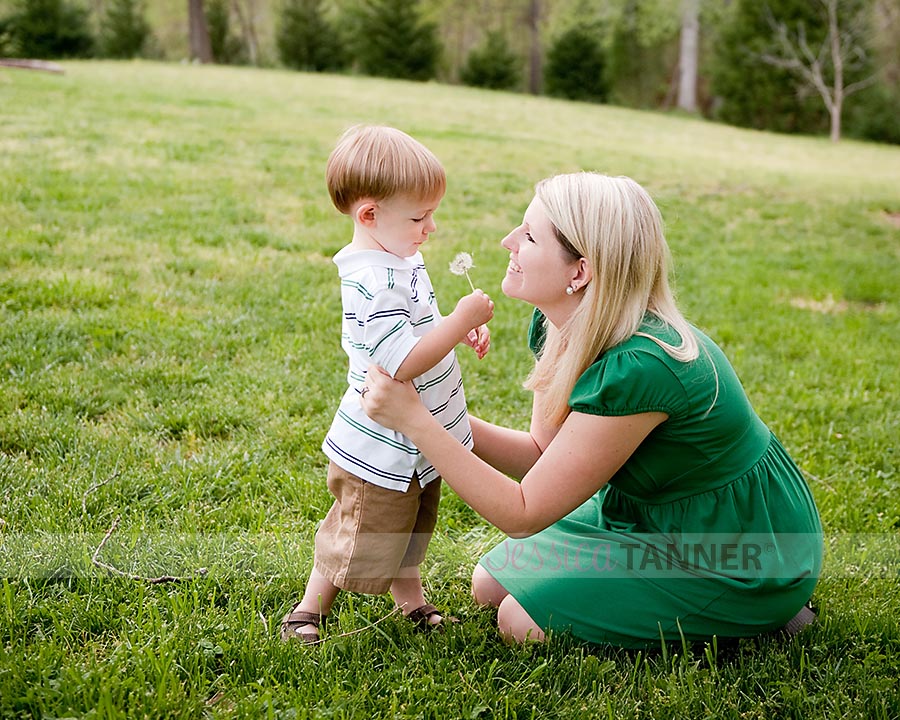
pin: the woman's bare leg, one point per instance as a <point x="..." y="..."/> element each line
<point x="516" y="624"/>
<point x="486" y="591"/>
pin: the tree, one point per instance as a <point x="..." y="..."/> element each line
<point x="245" y="15"/>
<point x="828" y="69"/>
<point x="642" y="52"/>
<point x="48" y="29"/>
<point x="198" y="33"/>
<point x="689" y="55"/>
<point x="493" y="65"/>
<point x="575" y="66"/>
<point x="306" y="40"/>
<point x="748" y="92"/>
<point x="125" y="30"/>
<point x="391" y="39"/>
<point x="226" y="48"/>
<point x="535" y="71"/>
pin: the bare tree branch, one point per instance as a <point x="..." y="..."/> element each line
<point x="841" y="49"/>
<point x="95" y="559"/>
<point x="93" y="487"/>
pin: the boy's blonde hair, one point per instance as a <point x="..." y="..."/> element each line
<point x="378" y="162"/>
<point x="614" y="224"/>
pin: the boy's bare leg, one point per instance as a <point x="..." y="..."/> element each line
<point x="317" y="598"/>
<point x="408" y="593"/>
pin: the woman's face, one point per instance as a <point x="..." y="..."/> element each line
<point x="539" y="268"/>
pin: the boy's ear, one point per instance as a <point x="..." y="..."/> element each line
<point x="366" y="213"/>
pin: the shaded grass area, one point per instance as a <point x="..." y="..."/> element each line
<point x="169" y="355"/>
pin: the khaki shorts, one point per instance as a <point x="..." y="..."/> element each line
<point x="370" y="532"/>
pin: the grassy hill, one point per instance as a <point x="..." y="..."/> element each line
<point x="169" y="350"/>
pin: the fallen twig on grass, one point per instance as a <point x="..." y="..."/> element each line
<point x="42" y="65"/>
<point x="94" y="487"/>
<point x="131" y="576"/>
<point x="354" y="632"/>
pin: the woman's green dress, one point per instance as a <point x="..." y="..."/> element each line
<point x="708" y="529"/>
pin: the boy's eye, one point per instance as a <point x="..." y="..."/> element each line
<point x="419" y="219"/>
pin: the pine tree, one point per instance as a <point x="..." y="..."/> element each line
<point x="392" y="40"/>
<point x="751" y="93"/>
<point x="575" y="66"/>
<point x="306" y="40"/>
<point x="49" y="29"/>
<point x="493" y="65"/>
<point x="125" y="30"/>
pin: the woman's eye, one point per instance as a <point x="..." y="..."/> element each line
<point x="529" y="238"/>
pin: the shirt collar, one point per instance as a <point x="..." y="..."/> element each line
<point x="349" y="261"/>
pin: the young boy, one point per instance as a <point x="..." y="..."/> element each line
<point x="386" y="493"/>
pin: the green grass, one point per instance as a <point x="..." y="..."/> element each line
<point x="169" y="356"/>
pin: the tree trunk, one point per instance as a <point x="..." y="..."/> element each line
<point x="198" y="33"/>
<point x="534" y="77"/>
<point x="837" y="60"/>
<point x="688" y="60"/>
<point x="835" y="122"/>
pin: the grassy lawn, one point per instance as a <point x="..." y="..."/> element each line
<point x="169" y="358"/>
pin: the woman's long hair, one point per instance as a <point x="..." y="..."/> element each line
<point x="614" y="224"/>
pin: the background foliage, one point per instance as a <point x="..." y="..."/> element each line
<point x="170" y="356"/>
<point x="491" y="43"/>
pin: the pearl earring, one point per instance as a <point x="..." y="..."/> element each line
<point x="570" y="290"/>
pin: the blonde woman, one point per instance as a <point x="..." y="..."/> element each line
<point x="649" y="502"/>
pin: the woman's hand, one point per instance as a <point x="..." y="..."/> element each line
<point x="479" y="340"/>
<point x="389" y="402"/>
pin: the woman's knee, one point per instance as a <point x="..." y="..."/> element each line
<point x="485" y="589"/>
<point x="516" y="624"/>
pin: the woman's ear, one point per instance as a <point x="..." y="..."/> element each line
<point x="365" y="213"/>
<point x="583" y="273"/>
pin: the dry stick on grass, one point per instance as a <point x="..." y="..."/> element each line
<point x="93" y="487"/>
<point x="131" y="576"/>
<point x="355" y="632"/>
<point x="42" y="65"/>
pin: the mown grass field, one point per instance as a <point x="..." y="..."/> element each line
<point x="169" y="357"/>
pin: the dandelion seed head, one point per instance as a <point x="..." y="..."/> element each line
<point x="461" y="263"/>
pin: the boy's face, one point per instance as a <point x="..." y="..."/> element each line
<point x="401" y="224"/>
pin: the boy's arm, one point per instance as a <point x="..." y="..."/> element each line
<point x="471" y="311"/>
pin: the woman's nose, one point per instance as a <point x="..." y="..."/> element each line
<point x="507" y="242"/>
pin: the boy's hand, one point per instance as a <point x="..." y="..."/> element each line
<point x="479" y="340"/>
<point x="474" y="309"/>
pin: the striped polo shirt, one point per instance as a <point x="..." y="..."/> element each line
<point x="388" y="304"/>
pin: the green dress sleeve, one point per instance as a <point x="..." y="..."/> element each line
<point x="636" y="377"/>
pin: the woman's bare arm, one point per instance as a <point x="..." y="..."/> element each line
<point x="512" y="452"/>
<point x="580" y="459"/>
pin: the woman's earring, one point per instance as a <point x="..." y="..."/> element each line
<point x="570" y="290"/>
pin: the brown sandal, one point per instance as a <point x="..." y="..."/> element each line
<point x="294" y="620"/>
<point x="421" y="617"/>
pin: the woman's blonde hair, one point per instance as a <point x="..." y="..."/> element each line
<point x="614" y="224"/>
<point x="379" y="162"/>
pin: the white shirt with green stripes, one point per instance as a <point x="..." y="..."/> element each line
<point x="388" y="304"/>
